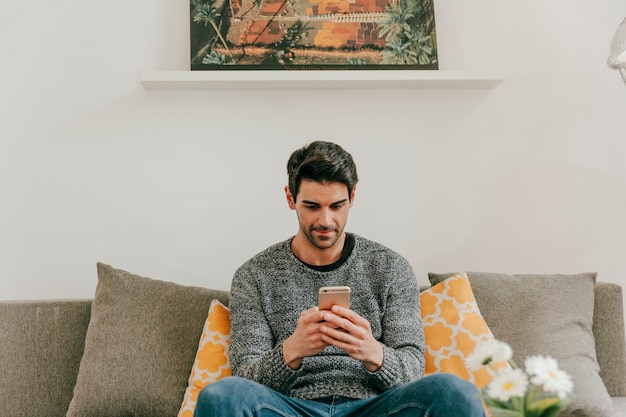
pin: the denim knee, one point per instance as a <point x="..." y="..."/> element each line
<point x="455" y="394"/>
<point x="219" y="395"/>
<point x="224" y="386"/>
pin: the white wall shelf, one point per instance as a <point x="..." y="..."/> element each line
<point x="310" y="80"/>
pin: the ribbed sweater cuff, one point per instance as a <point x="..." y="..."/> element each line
<point x="282" y="377"/>
<point x="390" y="373"/>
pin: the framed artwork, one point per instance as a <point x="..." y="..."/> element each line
<point x="313" y="34"/>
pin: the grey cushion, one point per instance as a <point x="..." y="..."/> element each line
<point x="608" y="330"/>
<point x="41" y="343"/>
<point x="548" y="315"/>
<point x="140" y="346"/>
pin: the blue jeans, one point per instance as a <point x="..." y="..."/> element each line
<point x="438" y="395"/>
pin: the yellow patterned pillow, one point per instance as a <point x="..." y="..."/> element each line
<point x="453" y="326"/>
<point x="211" y="361"/>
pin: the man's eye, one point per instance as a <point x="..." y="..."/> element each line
<point x="311" y="207"/>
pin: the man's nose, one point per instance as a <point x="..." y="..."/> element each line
<point x="326" y="217"/>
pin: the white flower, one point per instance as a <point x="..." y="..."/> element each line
<point x="544" y="371"/>
<point x="502" y="352"/>
<point x="488" y="352"/>
<point x="507" y="385"/>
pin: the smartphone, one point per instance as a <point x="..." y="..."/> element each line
<point x="329" y="296"/>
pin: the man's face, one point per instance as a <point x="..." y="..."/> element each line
<point x="322" y="211"/>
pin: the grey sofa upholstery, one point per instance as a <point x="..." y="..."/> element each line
<point x="42" y="342"/>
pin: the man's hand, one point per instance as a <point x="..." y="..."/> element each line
<point x="306" y="340"/>
<point x="345" y="329"/>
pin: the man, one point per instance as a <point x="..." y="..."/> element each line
<point x="288" y="358"/>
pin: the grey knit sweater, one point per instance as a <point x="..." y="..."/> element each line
<point x="270" y="290"/>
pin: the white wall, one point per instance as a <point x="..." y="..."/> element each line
<point x="529" y="177"/>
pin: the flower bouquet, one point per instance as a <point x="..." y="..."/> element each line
<point x="539" y="390"/>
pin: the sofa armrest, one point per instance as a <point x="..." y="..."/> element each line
<point x="41" y="345"/>
<point x="608" y="330"/>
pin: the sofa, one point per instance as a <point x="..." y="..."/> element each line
<point x="129" y="350"/>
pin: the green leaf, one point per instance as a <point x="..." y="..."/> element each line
<point x="543" y="404"/>
<point x="492" y="402"/>
<point x="503" y="412"/>
<point x="551" y="411"/>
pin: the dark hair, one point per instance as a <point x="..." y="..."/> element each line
<point x="321" y="162"/>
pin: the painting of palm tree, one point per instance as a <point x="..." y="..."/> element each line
<point x="312" y="34"/>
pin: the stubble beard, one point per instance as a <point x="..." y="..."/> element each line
<point x="322" y="242"/>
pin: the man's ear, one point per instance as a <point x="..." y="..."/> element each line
<point x="352" y="194"/>
<point x="290" y="200"/>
